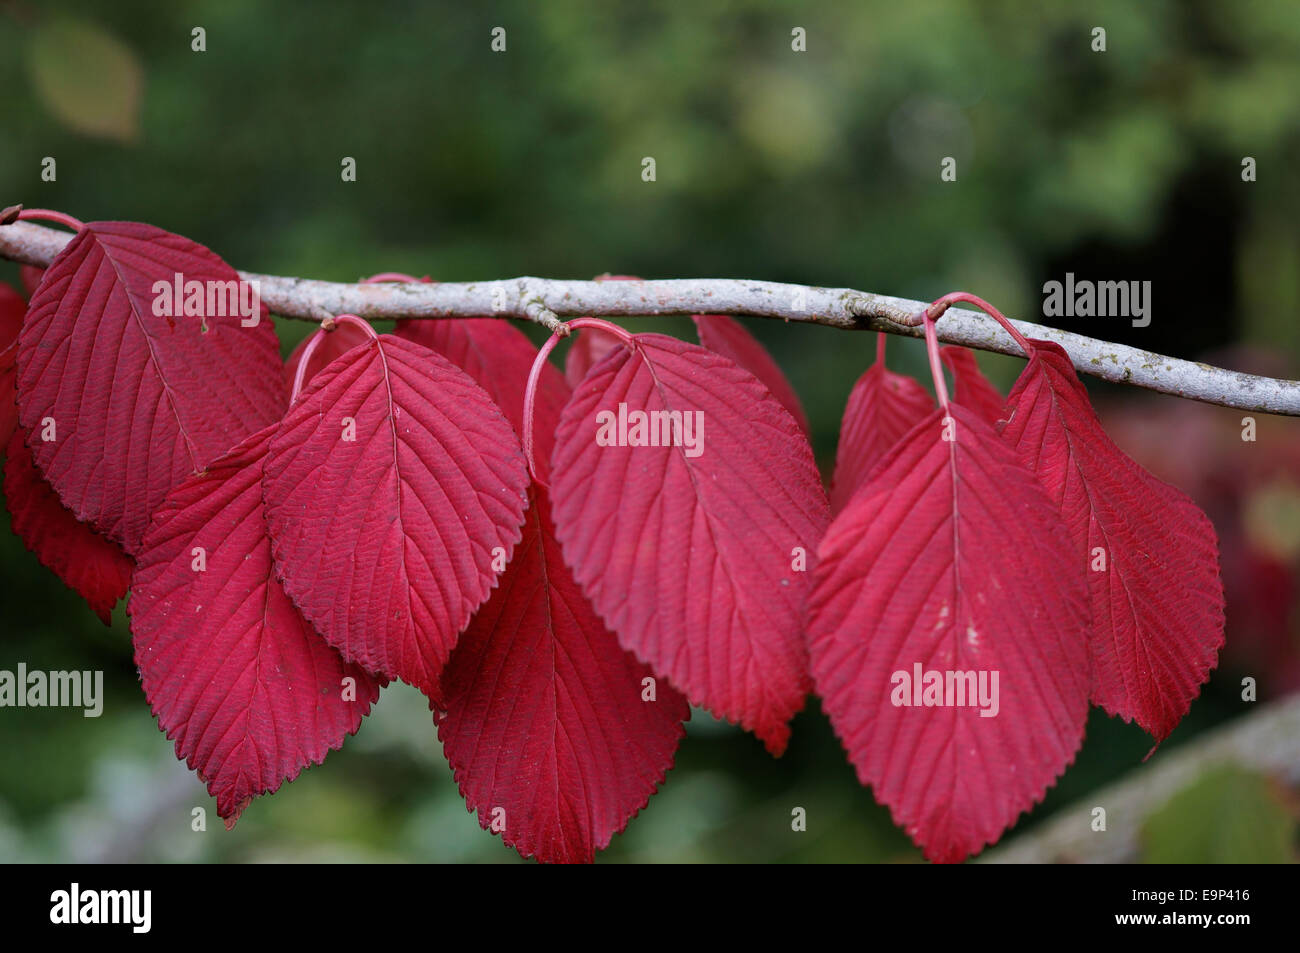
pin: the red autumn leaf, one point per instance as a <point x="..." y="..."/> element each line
<point x="1150" y="556"/>
<point x="950" y="560"/>
<point x="546" y="718"/>
<point x="544" y="712"/>
<point x="91" y="565"/>
<point x="138" y="401"/>
<point x="585" y="352"/>
<point x="882" y="407"/>
<point x="31" y="278"/>
<point x="335" y="343"/>
<point x="973" y="389"/>
<point x="688" y="552"/>
<point x="248" y="690"/>
<point x="88" y="563"/>
<point x="12" y="309"/>
<point x="498" y="356"/>
<point x="389" y="485"/>
<point x="728" y="337"/>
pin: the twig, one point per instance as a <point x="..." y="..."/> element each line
<point x="542" y="300"/>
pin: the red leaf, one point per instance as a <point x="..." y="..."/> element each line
<point x="951" y="558"/>
<point x="12" y="309"/>
<point x="585" y="352"/>
<point x="385" y="541"/>
<point x="248" y="690"/>
<point x="687" y="551"/>
<point x="12" y="306"/>
<point x="94" y="567"/>
<point x="882" y="407"/>
<point x="545" y="718"/>
<point x="973" y="389"/>
<point x="337" y="342"/>
<point x="31" y="278"/>
<point x="728" y="337"/>
<point x="1157" y="607"/>
<point x="498" y="356"/>
<point x="138" y="401"/>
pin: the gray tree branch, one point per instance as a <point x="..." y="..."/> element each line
<point x="545" y="301"/>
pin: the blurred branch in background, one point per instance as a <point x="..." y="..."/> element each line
<point x="1267" y="741"/>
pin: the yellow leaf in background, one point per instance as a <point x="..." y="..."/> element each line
<point x="89" y="80"/>
<point x="1272" y="518"/>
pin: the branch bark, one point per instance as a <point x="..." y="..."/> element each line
<point x="544" y="301"/>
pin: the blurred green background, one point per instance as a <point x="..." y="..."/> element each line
<point x="817" y="167"/>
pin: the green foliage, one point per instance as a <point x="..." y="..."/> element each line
<point x="1228" y="815"/>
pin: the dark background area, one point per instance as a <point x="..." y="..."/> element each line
<point x="820" y="167"/>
